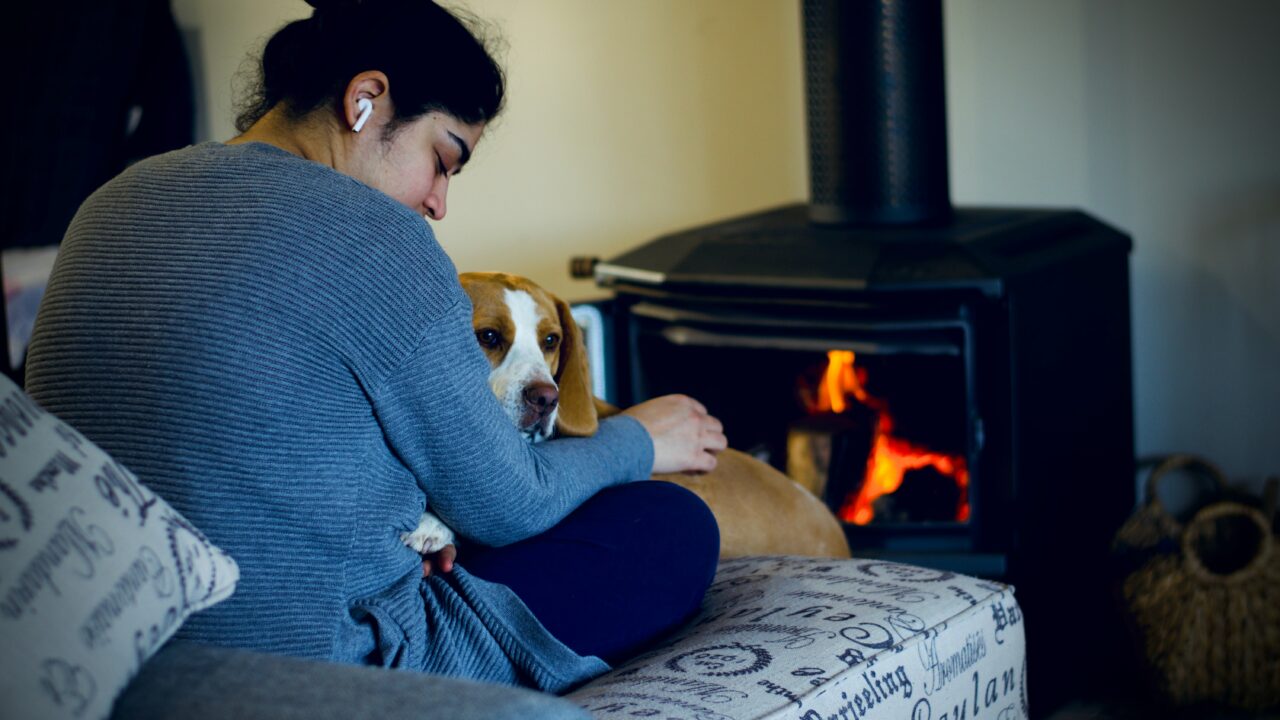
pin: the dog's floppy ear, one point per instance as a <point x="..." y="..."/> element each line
<point x="577" y="416"/>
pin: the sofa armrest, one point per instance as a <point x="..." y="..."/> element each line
<point x="196" y="682"/>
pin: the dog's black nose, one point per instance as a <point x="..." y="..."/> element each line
<point x="541" y="397"/>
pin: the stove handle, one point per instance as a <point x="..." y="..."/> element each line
<point x="685" y="336"/>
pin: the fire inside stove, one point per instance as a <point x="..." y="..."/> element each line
<point x="902" y="479"/>
<point x="880" y="426"/>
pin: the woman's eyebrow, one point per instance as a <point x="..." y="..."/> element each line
<point x="462" y="148"/>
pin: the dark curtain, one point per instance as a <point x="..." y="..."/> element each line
<point x="93" y="86"/>
<point x="98" y="85"/>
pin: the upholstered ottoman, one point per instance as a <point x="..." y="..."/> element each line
<point x="809" y="639"/>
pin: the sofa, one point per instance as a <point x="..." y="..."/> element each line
<point x="97" y="573"/>
<point x="777" y="637"/>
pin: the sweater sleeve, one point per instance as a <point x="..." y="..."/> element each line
<point x="479" y="475"/>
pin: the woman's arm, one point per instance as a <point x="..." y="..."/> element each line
<point x="480" y="476"/>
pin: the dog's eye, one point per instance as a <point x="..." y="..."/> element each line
<point x="488" y="337"/>
<point x="550" y="342"/>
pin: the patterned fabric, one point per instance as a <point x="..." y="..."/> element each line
<point x="96" y="572"/>
<point x="286" y="356"/>
<point x="811" y="639"/>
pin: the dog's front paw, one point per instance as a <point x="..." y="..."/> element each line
<point x="429" y="537"/>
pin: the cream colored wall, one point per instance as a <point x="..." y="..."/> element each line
<point x="629" y="118"/>
<point x="625" y="119"/>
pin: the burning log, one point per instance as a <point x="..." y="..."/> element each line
<point x="925" y="495"/>
<point x="827" y="453"/>
<point x="848" y="452"/>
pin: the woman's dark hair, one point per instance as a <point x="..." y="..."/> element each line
<point x="432" y="59"/>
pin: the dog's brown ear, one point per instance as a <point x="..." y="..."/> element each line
<point x="577" y="416"/>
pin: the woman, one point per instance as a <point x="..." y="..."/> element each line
<point x="268" y="334"/>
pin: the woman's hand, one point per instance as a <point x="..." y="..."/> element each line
<point x="685" y="437"/>
<point x="442" y="559"/>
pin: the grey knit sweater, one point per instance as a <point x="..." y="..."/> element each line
<point x="286" y="356"/>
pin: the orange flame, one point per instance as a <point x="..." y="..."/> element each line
<point x="891" y="457"/>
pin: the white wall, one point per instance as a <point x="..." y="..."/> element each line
<point x="629" y="118"/>
<point x="1163" y="118"/>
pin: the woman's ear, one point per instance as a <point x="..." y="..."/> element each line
<point x="577" y="416"/>
<point x="371" y="85"/>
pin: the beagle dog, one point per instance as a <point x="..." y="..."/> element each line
<point x="539" y="371"/>
<point x="540" y="375"/>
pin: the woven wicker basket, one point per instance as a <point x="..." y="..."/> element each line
<point x="1153" y="524"/>
<point x="1205" y="599"/>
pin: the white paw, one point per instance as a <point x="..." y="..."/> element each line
<point x="430" y="536"/>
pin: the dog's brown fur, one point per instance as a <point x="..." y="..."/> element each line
<point x="760" y="511"/>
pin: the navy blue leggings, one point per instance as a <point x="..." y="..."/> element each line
<point x="630" y="564"/>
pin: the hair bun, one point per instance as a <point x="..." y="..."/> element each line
<point x="335" y="4"/>
<point x="348" y="5"/>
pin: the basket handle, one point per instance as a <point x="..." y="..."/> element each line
<point x="1181" y="461"/>
<point x="1218" y="510"/>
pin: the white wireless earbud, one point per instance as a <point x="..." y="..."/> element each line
<point x="366" y="109"/>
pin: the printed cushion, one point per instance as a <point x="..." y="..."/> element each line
<point x="812" y="639"/>
<point x="96" y="572"/>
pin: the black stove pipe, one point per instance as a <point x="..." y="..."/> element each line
<point x="876" y="99"/>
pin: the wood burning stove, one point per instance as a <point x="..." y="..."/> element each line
<point x="991" y="353"/>
<point x="955" y="383"/>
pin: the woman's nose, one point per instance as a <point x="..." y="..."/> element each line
<point x="436" y="199"/>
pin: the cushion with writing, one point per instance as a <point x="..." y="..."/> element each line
<point x="812" y="639"/>
<point x="96" y="571"/>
